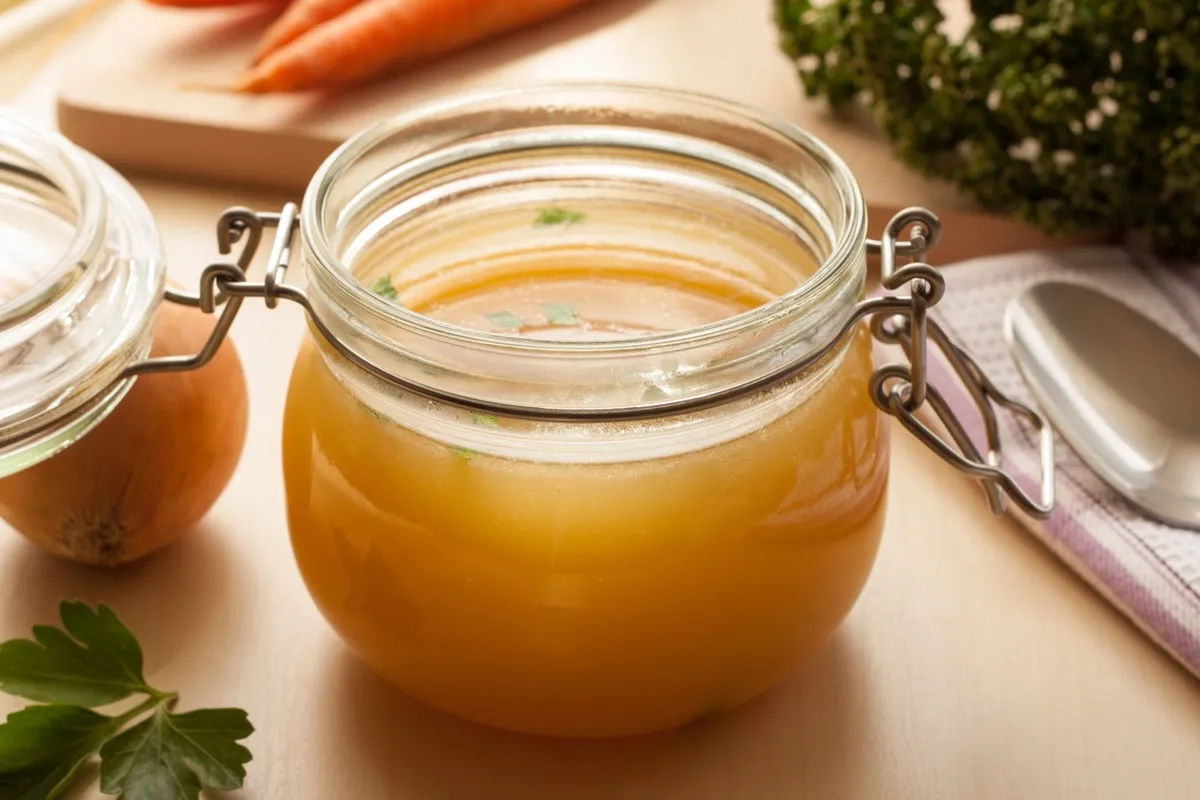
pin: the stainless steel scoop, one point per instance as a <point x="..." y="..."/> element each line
<point x="1120" y="389"/>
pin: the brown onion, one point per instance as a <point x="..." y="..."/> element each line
<point x="149" y="471"/>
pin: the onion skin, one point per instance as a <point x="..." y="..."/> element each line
<point x="149" y="471"/>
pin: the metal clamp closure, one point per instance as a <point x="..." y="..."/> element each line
<point x="226" y="284"/>
<point x="900" y="390"/>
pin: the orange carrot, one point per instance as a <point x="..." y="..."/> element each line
<point x="297" y="19"/>
<point x="379" y="35"/>
<point x="212" y="3"/>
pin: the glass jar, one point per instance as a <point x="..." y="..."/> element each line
<point x="557" y="533"/>
<point x="81" y="274"/>
<point x="578" y="574"/>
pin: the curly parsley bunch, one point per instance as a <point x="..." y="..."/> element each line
<point x="1070" y="114"/>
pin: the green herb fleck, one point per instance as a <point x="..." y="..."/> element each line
<point x="465" y="453"/>
<point x="487" y="420"/>
<point x="95" y="660"/>
<point x="505" y="319"/>
<point x="560" y="313"/>
<point x="548" y="217"/>
<point x="384" y="287"/>
<point x="378" y="415"/>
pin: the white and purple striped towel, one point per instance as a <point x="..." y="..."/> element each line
<point x="1148" y="570"/>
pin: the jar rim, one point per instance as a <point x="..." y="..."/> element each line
<point x="47" y="151"/>
<point x="841" y="258"/>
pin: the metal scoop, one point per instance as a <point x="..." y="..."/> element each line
<point x="1120" y="389"/>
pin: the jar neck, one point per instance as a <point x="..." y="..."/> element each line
<point x="687" y="178"/>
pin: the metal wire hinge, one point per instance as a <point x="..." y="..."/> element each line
<point x="225" y="284"/>
<point x="904" y="389"/>
<point x="901" y="390"/>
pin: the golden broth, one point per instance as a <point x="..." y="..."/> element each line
<point x="572" y="597"/>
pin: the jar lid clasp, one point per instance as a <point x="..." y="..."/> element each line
<point x="901" y="390"/>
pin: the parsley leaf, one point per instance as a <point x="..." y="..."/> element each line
<point x="94" y="660"/>
<point x="487" y="420"/>
<point x="505" y="319"/>
<point x="172" y="756"/>
<point x="548" y="217"/>
<point x="100" y="665"/>
<point x="384" y="287"/>
<point x="560" y="313"/>
<point x="41" y="748"/>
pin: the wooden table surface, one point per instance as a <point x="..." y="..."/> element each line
<point x="974" y="666"/>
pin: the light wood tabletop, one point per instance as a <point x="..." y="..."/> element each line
<point x="975" y="665"/>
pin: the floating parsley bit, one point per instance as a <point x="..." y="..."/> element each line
<point x="378" y="415"/>
<point x="487" y="420"/>
<point x="465" y="453"/>
<point x="548" y="217"/>
<point x="384" y="287"/>
<point x="560" y="313"/>
<point x="94" y="660"/>
<point x="505" y="319"/>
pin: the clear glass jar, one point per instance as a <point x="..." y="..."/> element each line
<point x="81" y="274"/>
<point x="576" y="574"/>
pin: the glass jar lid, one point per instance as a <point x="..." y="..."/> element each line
<point x="81" y="273"/>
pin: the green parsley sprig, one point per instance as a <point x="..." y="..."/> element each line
<point x="147" y="752"/>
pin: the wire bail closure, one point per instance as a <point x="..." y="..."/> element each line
<point x="900" y="390"/>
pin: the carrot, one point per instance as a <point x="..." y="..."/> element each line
<point x="212" y="3"/>
<point x="378" y="35"/>
<point x="297" y="19"/>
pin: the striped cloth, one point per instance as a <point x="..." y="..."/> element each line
<point x="1150" y="571"/>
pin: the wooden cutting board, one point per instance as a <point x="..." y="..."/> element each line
<point x="124" y="95"/>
